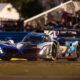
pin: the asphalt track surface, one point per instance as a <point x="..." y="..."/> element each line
<point x="21" y="69"/>
<point x="40" y="78"/>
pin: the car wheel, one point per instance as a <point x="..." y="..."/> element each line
<point x="54" y="51"/>
<point x="78" y="55"/>
<point x="6" y="58"/>
<point x="78" y="51"/>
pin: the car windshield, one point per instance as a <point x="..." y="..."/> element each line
<point x="33" y="39"/>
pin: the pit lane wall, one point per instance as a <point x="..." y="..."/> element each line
<point x="16" y="36"/>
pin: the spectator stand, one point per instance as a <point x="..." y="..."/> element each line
<point x="63" y="16"/>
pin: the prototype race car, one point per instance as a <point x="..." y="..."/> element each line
<point x="36" y="45"/>
<point x="33" y="46"/>
<point x="68" y="44"/>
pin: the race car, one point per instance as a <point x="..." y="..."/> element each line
<point x="36" y="46"/>
<point x="7" y="51"/>
<point x="33" y="46"/>
<point x="68" y="44"/>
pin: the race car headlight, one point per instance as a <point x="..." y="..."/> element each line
<point x="19" y="45"/>
<point x="1" y="51"/>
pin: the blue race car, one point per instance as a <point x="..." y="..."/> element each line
<point x="33" y="46"/>
<point x="7" y="51"/>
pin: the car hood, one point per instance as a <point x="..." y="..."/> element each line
<point x="26" y="45"/>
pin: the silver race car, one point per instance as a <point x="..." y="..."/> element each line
<point x="36" y="46"/>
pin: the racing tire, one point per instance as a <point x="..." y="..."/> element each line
<point x="78" y="51"/>
<point x="54" y="51"/>
<point x="78" y="55"/>
<point x="6" y="58"/>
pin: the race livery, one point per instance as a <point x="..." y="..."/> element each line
<point x="33" y="46"/>
<point x="68" y="44"/>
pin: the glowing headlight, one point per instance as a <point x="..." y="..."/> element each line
<point x="19" y="45"/>
<point x="1" y="51"/>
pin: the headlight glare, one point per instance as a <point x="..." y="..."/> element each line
<point x="1" y="51"/>
<point x="19" y="45"/>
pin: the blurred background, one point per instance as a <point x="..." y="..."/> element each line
<point x="14" y="12"/>
<point x="38" y="15"/>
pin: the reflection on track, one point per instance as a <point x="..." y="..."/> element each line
<point x="17" y="59"/>
<point x="43" y="61"/>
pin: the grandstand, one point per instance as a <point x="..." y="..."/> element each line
<point x="41" y="19"/>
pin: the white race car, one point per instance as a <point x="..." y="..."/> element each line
<point x="36" y="46"/>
